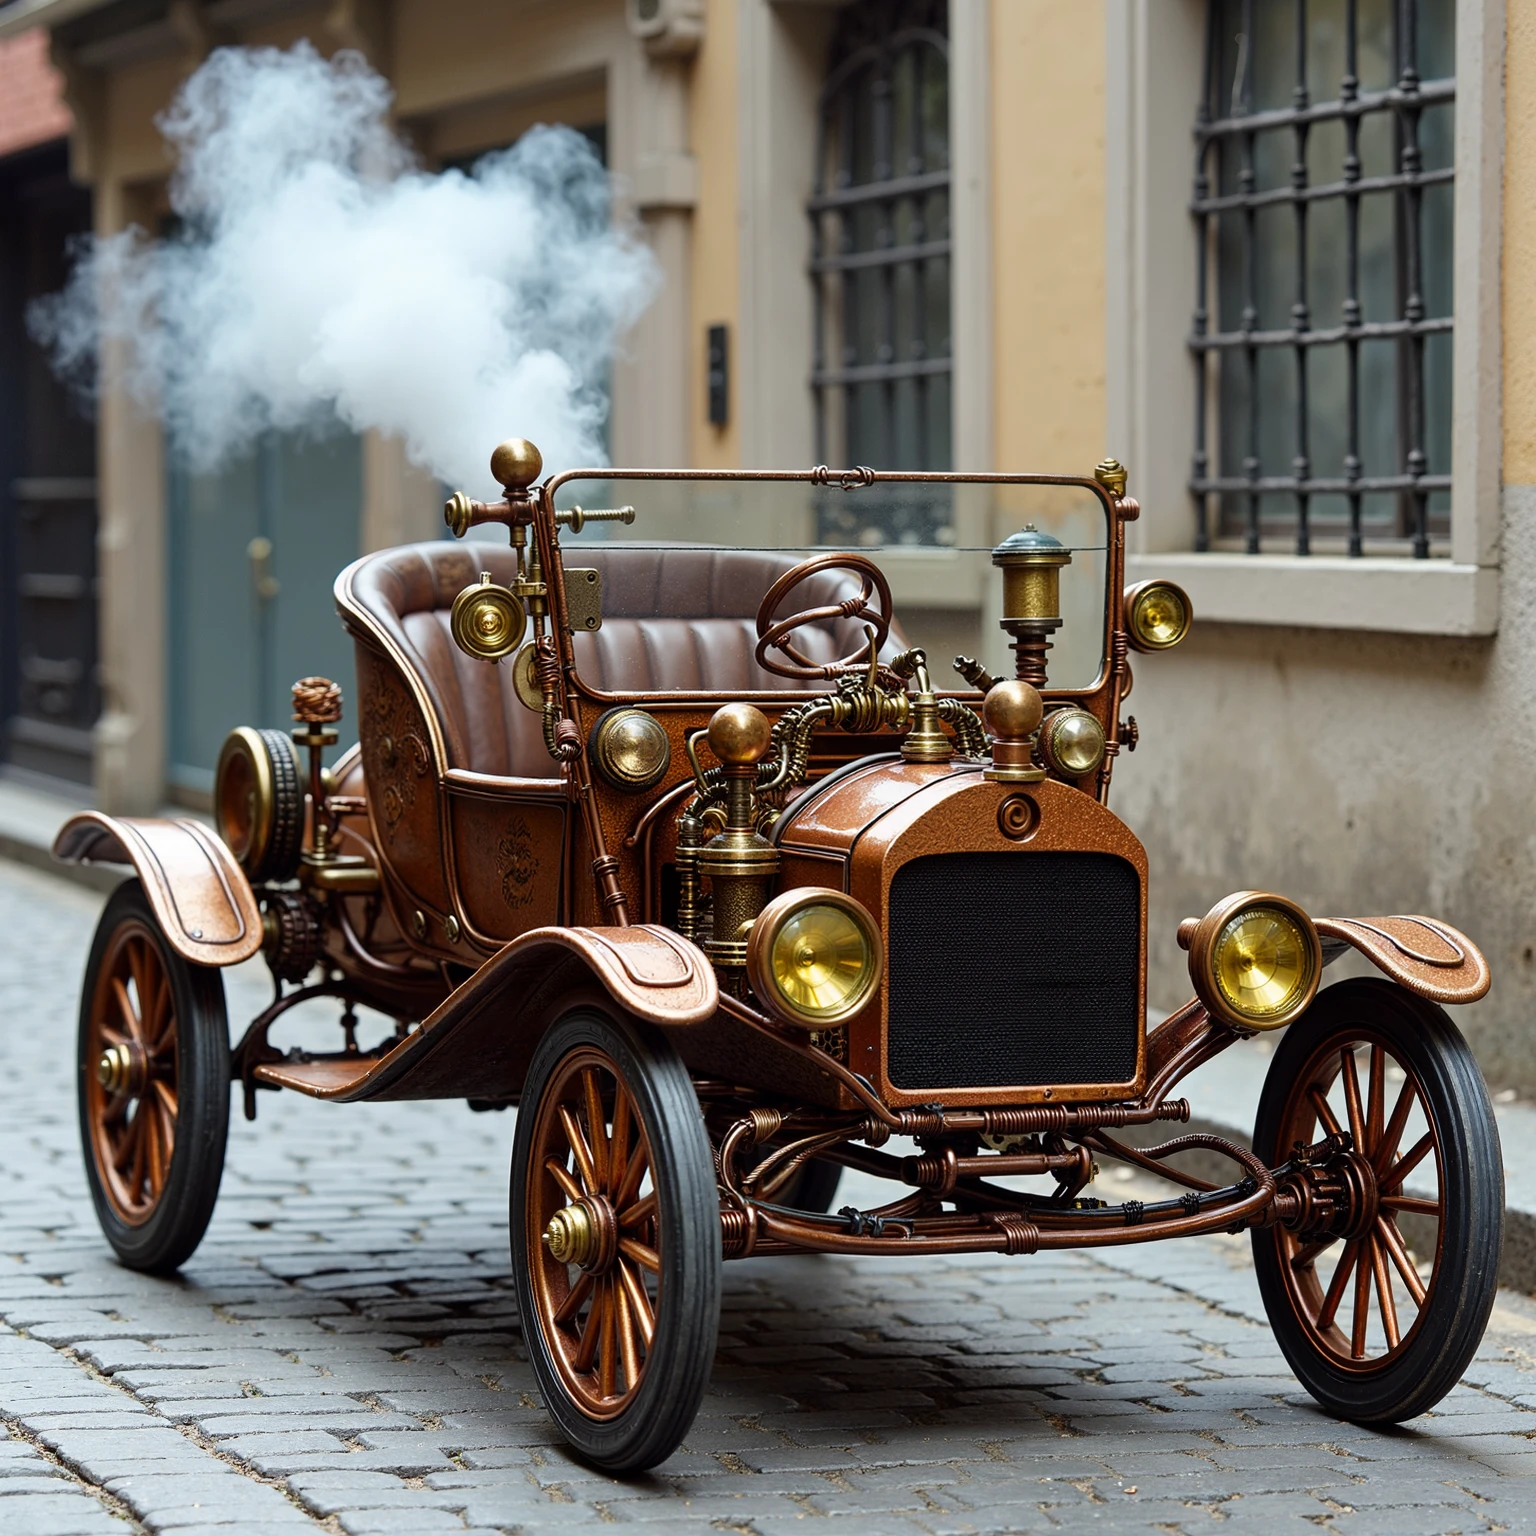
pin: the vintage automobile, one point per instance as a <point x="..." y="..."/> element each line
<point x="659" y="828"/>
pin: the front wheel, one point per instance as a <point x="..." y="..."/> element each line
<point x="615" y="1238"/>
<point x="1380" y="1306"/>
<point x="153" y="1072"/>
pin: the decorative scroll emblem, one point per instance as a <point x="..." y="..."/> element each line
<point x="395" y="755"/>
<point x="518" y="863"/>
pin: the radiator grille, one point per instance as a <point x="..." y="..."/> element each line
<point x="1013" y="970"/>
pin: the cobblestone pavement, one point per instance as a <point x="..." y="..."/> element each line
<point x="342" y="1354"/>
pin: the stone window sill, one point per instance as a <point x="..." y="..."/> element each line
<point x="1414" y="597"/>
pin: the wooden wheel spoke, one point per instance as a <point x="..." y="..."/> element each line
<point x="574" y="1299"/>
<point x="127" y="1148"/>
<point x="156" y="1133"/>
<point x="1330" y="1306"/>
<point x="1405" y="1165"/>
<point x="579" y="1148"/>
<point x="568" y="1186"/>
<point x="165" y="1095"/>
<point x="1308" y="1253"/>
<point x="626" y="1323"/>
<point x="1375" y="1099"/>
<point x="111" y="1035"/>
<point x="586" y="1351"/>
<point x="646" y="1258"/>
<point x="633" y="1174"/>
<point x="597" y="1131"/>
<point x="1351" y="1080"/>
<point x="618" y="1143"/>
<point x="639" y="1303"/>
<point x="1411" y="1203"/>
<point x="1385" y="1299"/>
<point x="641" y="1210"/>
<point x="1324" y="1110"/>
<point x="1391" y="1239"/>
<point x="1362" y="1317"/>
<point x="608" y="1354"/>
<point x="160" y="1026"/>
<point x="133" y="1025"/>
<point x="1386" y="1149"/>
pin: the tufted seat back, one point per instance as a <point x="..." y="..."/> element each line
<point x="674" y="618"/>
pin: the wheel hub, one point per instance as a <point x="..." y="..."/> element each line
<point x="122" y="1068"/>
<point x="584" y="1233"/>
<point x="1336" y="1198"/>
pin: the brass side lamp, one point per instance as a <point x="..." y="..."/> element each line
<point x="1031" y="563"/>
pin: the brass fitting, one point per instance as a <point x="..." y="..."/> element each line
<point x="1031" y="563"/>
<point x="739" y="861"/>
<point x="1012" y="713"/>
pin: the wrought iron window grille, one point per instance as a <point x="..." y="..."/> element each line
<point x="1368" y="460"/>
<point x="880" y="251"/>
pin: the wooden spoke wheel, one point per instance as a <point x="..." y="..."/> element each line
<point x="1380" y="1293"/>
<point x="615" y="1238"/>
<point x="153" y="1087"/>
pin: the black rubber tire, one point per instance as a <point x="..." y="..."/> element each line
<point x="1461" y="1293"/>
<point x="170" y="1235"/>
<point x="280" y="858"/>
<point x="813" y="1188"/>
<point x="678" y="1368"/>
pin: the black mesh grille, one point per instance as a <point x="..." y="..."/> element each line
<point x="1014" y="969"/>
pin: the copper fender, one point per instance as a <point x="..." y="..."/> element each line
<point x="199" y="894"/>
<point x="1421" y="953"/>
<point x="479" y="1041"/>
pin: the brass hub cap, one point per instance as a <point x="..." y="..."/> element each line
<point x="1361" y="1254"/>
<point x="131" y="1084"/>
<point x="591" y="1232"/>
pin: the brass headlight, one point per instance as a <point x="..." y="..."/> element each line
<point x="1157" y="615"/>
<point x="630" y="749"/>
<point x="814" y="957"/>
<point x="487" y="620"/>
<point x="1072" y="742"/>
<point x="1255" y="960"/>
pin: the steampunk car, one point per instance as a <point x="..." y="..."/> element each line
<point x="660" y="828"/>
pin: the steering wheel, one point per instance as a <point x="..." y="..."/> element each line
<point x="775" y="636"/>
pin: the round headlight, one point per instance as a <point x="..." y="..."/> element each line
<point x="629" y="748"/>
<point x="1072" y="742"/>
<point x="1157" y="615"/>
<point x="814" y="957"/>
<point x="1255" y="960"/>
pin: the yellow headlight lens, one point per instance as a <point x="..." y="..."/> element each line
<point x="821" y="961"/>
<point x="1158" y="615"/>
<point x="1262" y="962"/>
<point x="1073" y="742"/>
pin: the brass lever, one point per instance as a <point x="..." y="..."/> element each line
<point x="259" y="553"/>
<point x="576" y="518"/>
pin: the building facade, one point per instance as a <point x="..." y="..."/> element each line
<point x="1269" y="254"/>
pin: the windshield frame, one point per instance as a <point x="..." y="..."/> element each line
<point x="849" y="479"/>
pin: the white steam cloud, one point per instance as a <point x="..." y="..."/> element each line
<point x="320" y="275"/>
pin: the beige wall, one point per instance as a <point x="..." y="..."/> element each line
<point x="1048" y="244"/>
<point x="1520" y="245"/>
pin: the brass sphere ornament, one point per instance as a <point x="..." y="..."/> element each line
<point x="739" y="735"/>
<point x="1011" y="713"/>
<point x="516" y="463"/>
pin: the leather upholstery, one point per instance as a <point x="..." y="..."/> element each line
<point x="675" y="618"/>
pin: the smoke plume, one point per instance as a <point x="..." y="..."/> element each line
<point x="316" y="273"/>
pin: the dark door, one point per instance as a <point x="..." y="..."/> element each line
<point x="48" y="686"/>
<point x="254" y="551"/>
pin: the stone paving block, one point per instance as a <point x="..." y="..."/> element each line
<point x="59" y="1514"/>
<point x="399" y="1522"/>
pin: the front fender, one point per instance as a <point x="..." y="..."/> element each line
<point x="479" y="1041"/>
<point x="199" y="894"/>
<point x="1424" y="955"/>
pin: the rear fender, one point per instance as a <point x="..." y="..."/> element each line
<point x="1428" y="957"/>
<point x="199" y="894"/>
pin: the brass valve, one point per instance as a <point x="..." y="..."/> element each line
<point x="487" y="620"/>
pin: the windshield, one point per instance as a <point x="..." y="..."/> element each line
<point x="931" y="537"/>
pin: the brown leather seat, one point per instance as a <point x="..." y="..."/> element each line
<point x="674" y="618"/>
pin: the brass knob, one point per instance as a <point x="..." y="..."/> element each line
<point x="516" y="463"/>
<point x="1012" y="711"/>
<point x="571" y="1236"/>
<point x="739" y="734"/>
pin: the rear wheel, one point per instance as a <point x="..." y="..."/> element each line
<point x="615" y="1238"/>
<point x="1380" y="1307"/>
<point x="153" y="1075"/>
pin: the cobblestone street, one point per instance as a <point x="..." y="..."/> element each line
<point x="342" y="1354"/>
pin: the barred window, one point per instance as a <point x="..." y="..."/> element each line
<point x="880" y="244"/>
<point x="1322" y="331"/>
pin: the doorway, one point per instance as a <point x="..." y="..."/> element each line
<point x="254" y="550"/>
